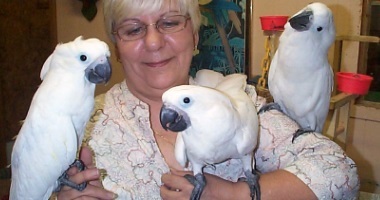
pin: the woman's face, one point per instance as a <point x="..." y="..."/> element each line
<point x="157" y="61"/>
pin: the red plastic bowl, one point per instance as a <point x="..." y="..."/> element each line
<point x="353" y="83"/>
<point x="273" y="23"/>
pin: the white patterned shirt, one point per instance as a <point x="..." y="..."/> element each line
<point x="123" y="142"/>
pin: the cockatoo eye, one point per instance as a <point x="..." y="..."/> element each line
<point x="186" y="100"/>
<point x="83" y="57"/>
<point x="319" y="29"/>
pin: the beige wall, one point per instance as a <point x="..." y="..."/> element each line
<point x="364" y="145"/>
<point x="71" y="24"/>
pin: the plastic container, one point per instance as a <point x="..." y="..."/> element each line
<point x="273" y="23"/>
<point x="353" y="83"/>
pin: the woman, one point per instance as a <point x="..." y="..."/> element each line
<point x="155" y="41"/>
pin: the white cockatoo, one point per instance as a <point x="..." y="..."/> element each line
<point x="53" y="129"/>
<point x="300" y="77"/>
<point x="213" y="125"/>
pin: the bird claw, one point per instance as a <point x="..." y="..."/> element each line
<point x="300" y="132"/>
<point x="269" y="106"/>
<point x="252" y="180"/>
<point x="199" y="182"/>
<point x="64" y="178"/>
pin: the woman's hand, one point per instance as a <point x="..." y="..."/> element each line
<point x="175" y="186"/>
<point x="91" y="174"/>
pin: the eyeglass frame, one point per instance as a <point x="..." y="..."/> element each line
<point x="156" y="26"/>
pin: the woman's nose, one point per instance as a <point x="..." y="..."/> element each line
<point x="154" y="40"/>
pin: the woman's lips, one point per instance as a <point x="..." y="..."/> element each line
<point x="158" y="64"/>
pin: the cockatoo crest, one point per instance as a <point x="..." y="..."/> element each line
<point x="89" y="47"/>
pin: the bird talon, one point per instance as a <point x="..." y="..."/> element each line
<point x="252" y="179"/>
<point x="268" y="107"/>
<point x="64" y="178"/>
<point x="79" y="164"/>
<point x="199" y="182"/>
<point x="300" y="132"/>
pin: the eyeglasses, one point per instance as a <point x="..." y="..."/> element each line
<point x="137" y="30"/>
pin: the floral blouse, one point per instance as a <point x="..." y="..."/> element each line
<point x="123" y="142"/>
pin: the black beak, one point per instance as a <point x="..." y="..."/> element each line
<point x="100" y="71"/>
<point x="302" y="21"/>
<point x="171" y="119"/>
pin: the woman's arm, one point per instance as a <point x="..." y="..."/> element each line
<point x="312" y="157"/>
<point x="275" y="185"/>
<point x="279" y="184"/>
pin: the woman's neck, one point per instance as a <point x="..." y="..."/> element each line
<point x="152" y="97"/>
<point x="165" y="139"/>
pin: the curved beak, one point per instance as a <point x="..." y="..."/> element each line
<point x="99" y="71"/>
<point x="173" y="119"/>
<point x="302" y="21"/>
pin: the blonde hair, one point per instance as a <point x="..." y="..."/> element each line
<point x="117" y="10"/>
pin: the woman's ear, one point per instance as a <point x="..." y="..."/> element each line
<point x="117" y="53"/>
<point x="196" y="40"/>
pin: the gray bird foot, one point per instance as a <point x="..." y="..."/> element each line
<point x="252" y="180"/>
<point x="269" y="106"/>
<point x="64" y="178"/>
<point x="299" y="132"/>
<point x="199" y="182"/>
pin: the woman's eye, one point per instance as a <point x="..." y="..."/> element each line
<point x="135" y="30"/>
<point x="168" y="24"/>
